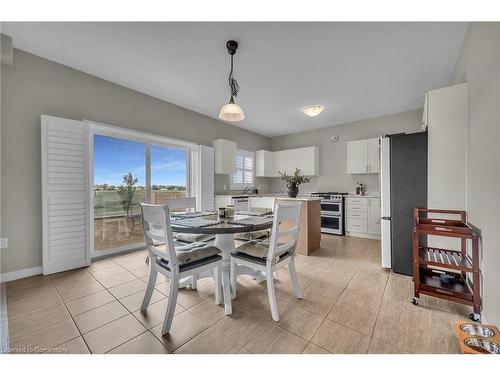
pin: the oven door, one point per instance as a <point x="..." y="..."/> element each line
<point x="331" y="207"/>
<point x="332" y="224"/>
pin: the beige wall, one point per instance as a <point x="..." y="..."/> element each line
<point x="34" y="86"/>
<point x="333" y="156"/>
<point x="479" y="65"/>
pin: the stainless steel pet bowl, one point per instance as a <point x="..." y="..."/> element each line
<point x="483" y="346"/>
<point x="477" y="330"/>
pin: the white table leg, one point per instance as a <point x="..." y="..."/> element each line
<point x="225" y="242"/>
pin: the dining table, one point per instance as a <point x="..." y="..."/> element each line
<point x="224" y="229"/>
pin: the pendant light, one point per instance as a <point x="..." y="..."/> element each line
<point x="232" y="111"/>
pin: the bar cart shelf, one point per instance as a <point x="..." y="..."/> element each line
<point x="430" y="264"/>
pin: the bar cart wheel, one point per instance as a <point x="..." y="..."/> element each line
<point x="475" y="317"/>
<point x="416" y="300"/>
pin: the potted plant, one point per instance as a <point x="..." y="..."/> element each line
<point x="294" y="181"/>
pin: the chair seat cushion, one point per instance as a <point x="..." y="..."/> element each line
<point x="259" y="249"/>
<point x="248" y="236"/>
<point x="261" y="261"/>
<point x="188" y="253"/>
<point x="188" y="266"/>
<point x="193" y="252"/>
<point x="191" y="237"/>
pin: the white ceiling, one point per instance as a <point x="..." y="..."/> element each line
<point x="356" y="70"/>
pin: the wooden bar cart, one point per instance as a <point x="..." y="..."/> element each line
<point x="432" y="266"/>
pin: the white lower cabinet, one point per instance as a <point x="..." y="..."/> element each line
<point x="362" y="217"/>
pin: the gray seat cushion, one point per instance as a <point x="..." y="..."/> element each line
<point x="190" y="237"/>
<point x="188" y="253"/>
<point x="257" y="249"/>
<point x="248" y="236"/>
<point x="261" y="261"/>
<point x="193" y="252"/>
<point x="185" y="267"/>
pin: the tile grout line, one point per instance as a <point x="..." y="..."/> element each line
<point x="73" y="320"/>
<point x="378" y="311"/>
<point x="343" y="289"/>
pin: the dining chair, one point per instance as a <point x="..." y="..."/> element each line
<point x="187" y="204"/>
<point x="270" y="255"/>
<point x="174" y="262"/>
<point x="257" y="204"/>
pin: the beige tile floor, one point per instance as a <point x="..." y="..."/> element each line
<point x="350" y="305"/>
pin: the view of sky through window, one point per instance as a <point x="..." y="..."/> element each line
<point x="114" y="158"/>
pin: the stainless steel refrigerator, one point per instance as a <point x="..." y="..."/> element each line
<point x="403" y="186"/>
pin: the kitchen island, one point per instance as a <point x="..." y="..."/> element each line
<point x="310" y="226"/>
<point x="310" y="223"/>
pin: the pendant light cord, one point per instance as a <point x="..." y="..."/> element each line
<point x="233" y="84"/>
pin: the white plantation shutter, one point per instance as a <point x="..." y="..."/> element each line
<point x="65" y="194"/>
<point x="206" y="178"/>
<point x="244" y="170"/>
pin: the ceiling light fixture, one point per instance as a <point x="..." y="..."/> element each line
<point x="313" y="110"/>
<point x="232" y="111"/>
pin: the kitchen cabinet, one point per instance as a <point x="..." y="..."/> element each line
<point x="224" y="156"/>
<point x="362" y="217"/>
<point x="279" y="162"/>
<point x="264" y="164"/>
<point x="268" y="163"/>
<point x="363" y="156"/>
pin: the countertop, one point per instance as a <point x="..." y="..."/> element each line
<point x="301" y="197"/>
<point x="368" y="195"/>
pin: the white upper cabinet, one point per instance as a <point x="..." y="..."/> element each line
<point x="224" y="156"/>
<point x="263" y="163"/>
<point x="373" y="155"/>
<point x="363" y="156"/>
<point x="357" y="156"/>
<point x="268" y="163"/>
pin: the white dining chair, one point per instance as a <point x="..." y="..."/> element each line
<point x="270" y="255"/>
<point x="174" y="262"/>
<point x="257" y="204"/>
<point x="187" y="204"/>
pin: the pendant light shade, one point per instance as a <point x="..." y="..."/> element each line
<point x="232" y="111"/>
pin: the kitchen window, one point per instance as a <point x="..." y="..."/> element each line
<point x="244" y="175"/>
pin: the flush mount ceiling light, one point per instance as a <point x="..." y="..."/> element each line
<point x="232" y="111"/>
<point x="313" y="110"/>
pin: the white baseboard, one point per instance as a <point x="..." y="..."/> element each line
<point x="20" y="274"/>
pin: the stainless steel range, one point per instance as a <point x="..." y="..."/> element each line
<point x="332" y="212"/>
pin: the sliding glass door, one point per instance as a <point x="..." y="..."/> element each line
<point x="119" y="187"/>
<point x="127" y="172"/>
<point x="169" y="173"/>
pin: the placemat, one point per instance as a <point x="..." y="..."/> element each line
<point x="254" y="220"/>
<point x="188" y="215"/>
<point x="196" y="222"/>
<point x="252" y="213"/>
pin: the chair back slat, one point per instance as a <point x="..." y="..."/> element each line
<point x="289" y="215"/>
<point x="157" y="230"/>
<point x="188" y="203"/>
